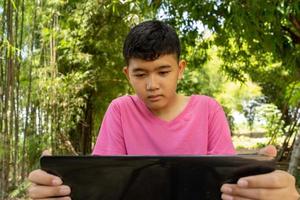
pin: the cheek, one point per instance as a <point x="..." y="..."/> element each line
<point x="137" y="85"/>
<point x="174" y="80"/>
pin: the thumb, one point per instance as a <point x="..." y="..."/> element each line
<point x="269" y="151"/>
<point x="46" y="152"/>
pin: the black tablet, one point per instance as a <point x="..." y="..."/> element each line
<point x="152" y="177"/>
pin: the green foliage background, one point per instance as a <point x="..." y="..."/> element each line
<point x="244" y="53"/>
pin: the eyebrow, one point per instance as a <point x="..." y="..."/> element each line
<point x="157" y="68"/>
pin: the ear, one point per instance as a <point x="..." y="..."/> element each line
<point x="181" y="65"/>
<point x="126" y="72"/>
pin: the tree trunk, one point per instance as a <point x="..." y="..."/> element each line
<point x="18" y="66"/>
<point x="86" y="128"/>
<point x="15" y="101"/>
<point x="2" y="114"/>
<point x="23" y="170"/>
<point x="290" y="133"/>
<point x="8" y="96"/>
<point x="295" y="156"/>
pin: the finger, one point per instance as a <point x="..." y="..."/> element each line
<point x="40" y="192"/>
<point x="43" y="178"/>
<point x="233" y="191"/>
<point x="46" y="153"/>
<point x="229" y="197"/>
<point x="56" y="198"/>
<point x="269" y="151"/>
<point x="276" y="179"/>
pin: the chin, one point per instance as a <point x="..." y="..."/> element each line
<point x="155" y="106"/>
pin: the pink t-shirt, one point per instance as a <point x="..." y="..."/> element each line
<point x="129" y="128"/>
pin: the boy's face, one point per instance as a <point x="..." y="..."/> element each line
<point x="155" y="81"/>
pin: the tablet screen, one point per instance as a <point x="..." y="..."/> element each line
<point x="152" y="177"/>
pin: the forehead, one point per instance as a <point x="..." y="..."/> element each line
<point x="163" y="60"/>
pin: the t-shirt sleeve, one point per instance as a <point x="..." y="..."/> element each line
<point x="110" y="140"/>
<point x="219" y="137"/>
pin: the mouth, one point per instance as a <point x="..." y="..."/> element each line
<point x="154" y="98"/>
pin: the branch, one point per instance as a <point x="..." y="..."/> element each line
<point x="294" y="36"/>
<point x="295" y="22"/>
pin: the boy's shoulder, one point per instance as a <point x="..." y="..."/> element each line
<point x="125" y="100"/>
<point x="204" y="101"/>
<point x="204" y="98"/>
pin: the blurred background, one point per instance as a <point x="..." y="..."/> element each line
<point x="61" y="65"/>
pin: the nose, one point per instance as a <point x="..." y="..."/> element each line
<point x="152" y="83"/>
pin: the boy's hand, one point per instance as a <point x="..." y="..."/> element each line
<point x="44" y="186"/>
<point x="276" y="185"/>
<point x="269" y="151"/>
<point x="272" y="186"/>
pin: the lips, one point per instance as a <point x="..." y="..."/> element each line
<point x="154" y="97"/>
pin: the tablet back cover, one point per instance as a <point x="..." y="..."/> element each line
<point x="152" y="177"/>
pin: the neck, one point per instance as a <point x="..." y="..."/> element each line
<point x="174" y="108"/>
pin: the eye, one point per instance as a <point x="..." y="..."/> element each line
<point x="139" y="75"/>
<point x="163" y="73"/>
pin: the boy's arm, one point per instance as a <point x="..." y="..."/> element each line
<point x="110" y="139"/>
<point x="277" y="185"/>
<point x="219" y="137"/>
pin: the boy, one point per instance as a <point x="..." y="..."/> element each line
<point x="158" y="121"/>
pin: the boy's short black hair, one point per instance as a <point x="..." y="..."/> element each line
<point x="148" y="40"/>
